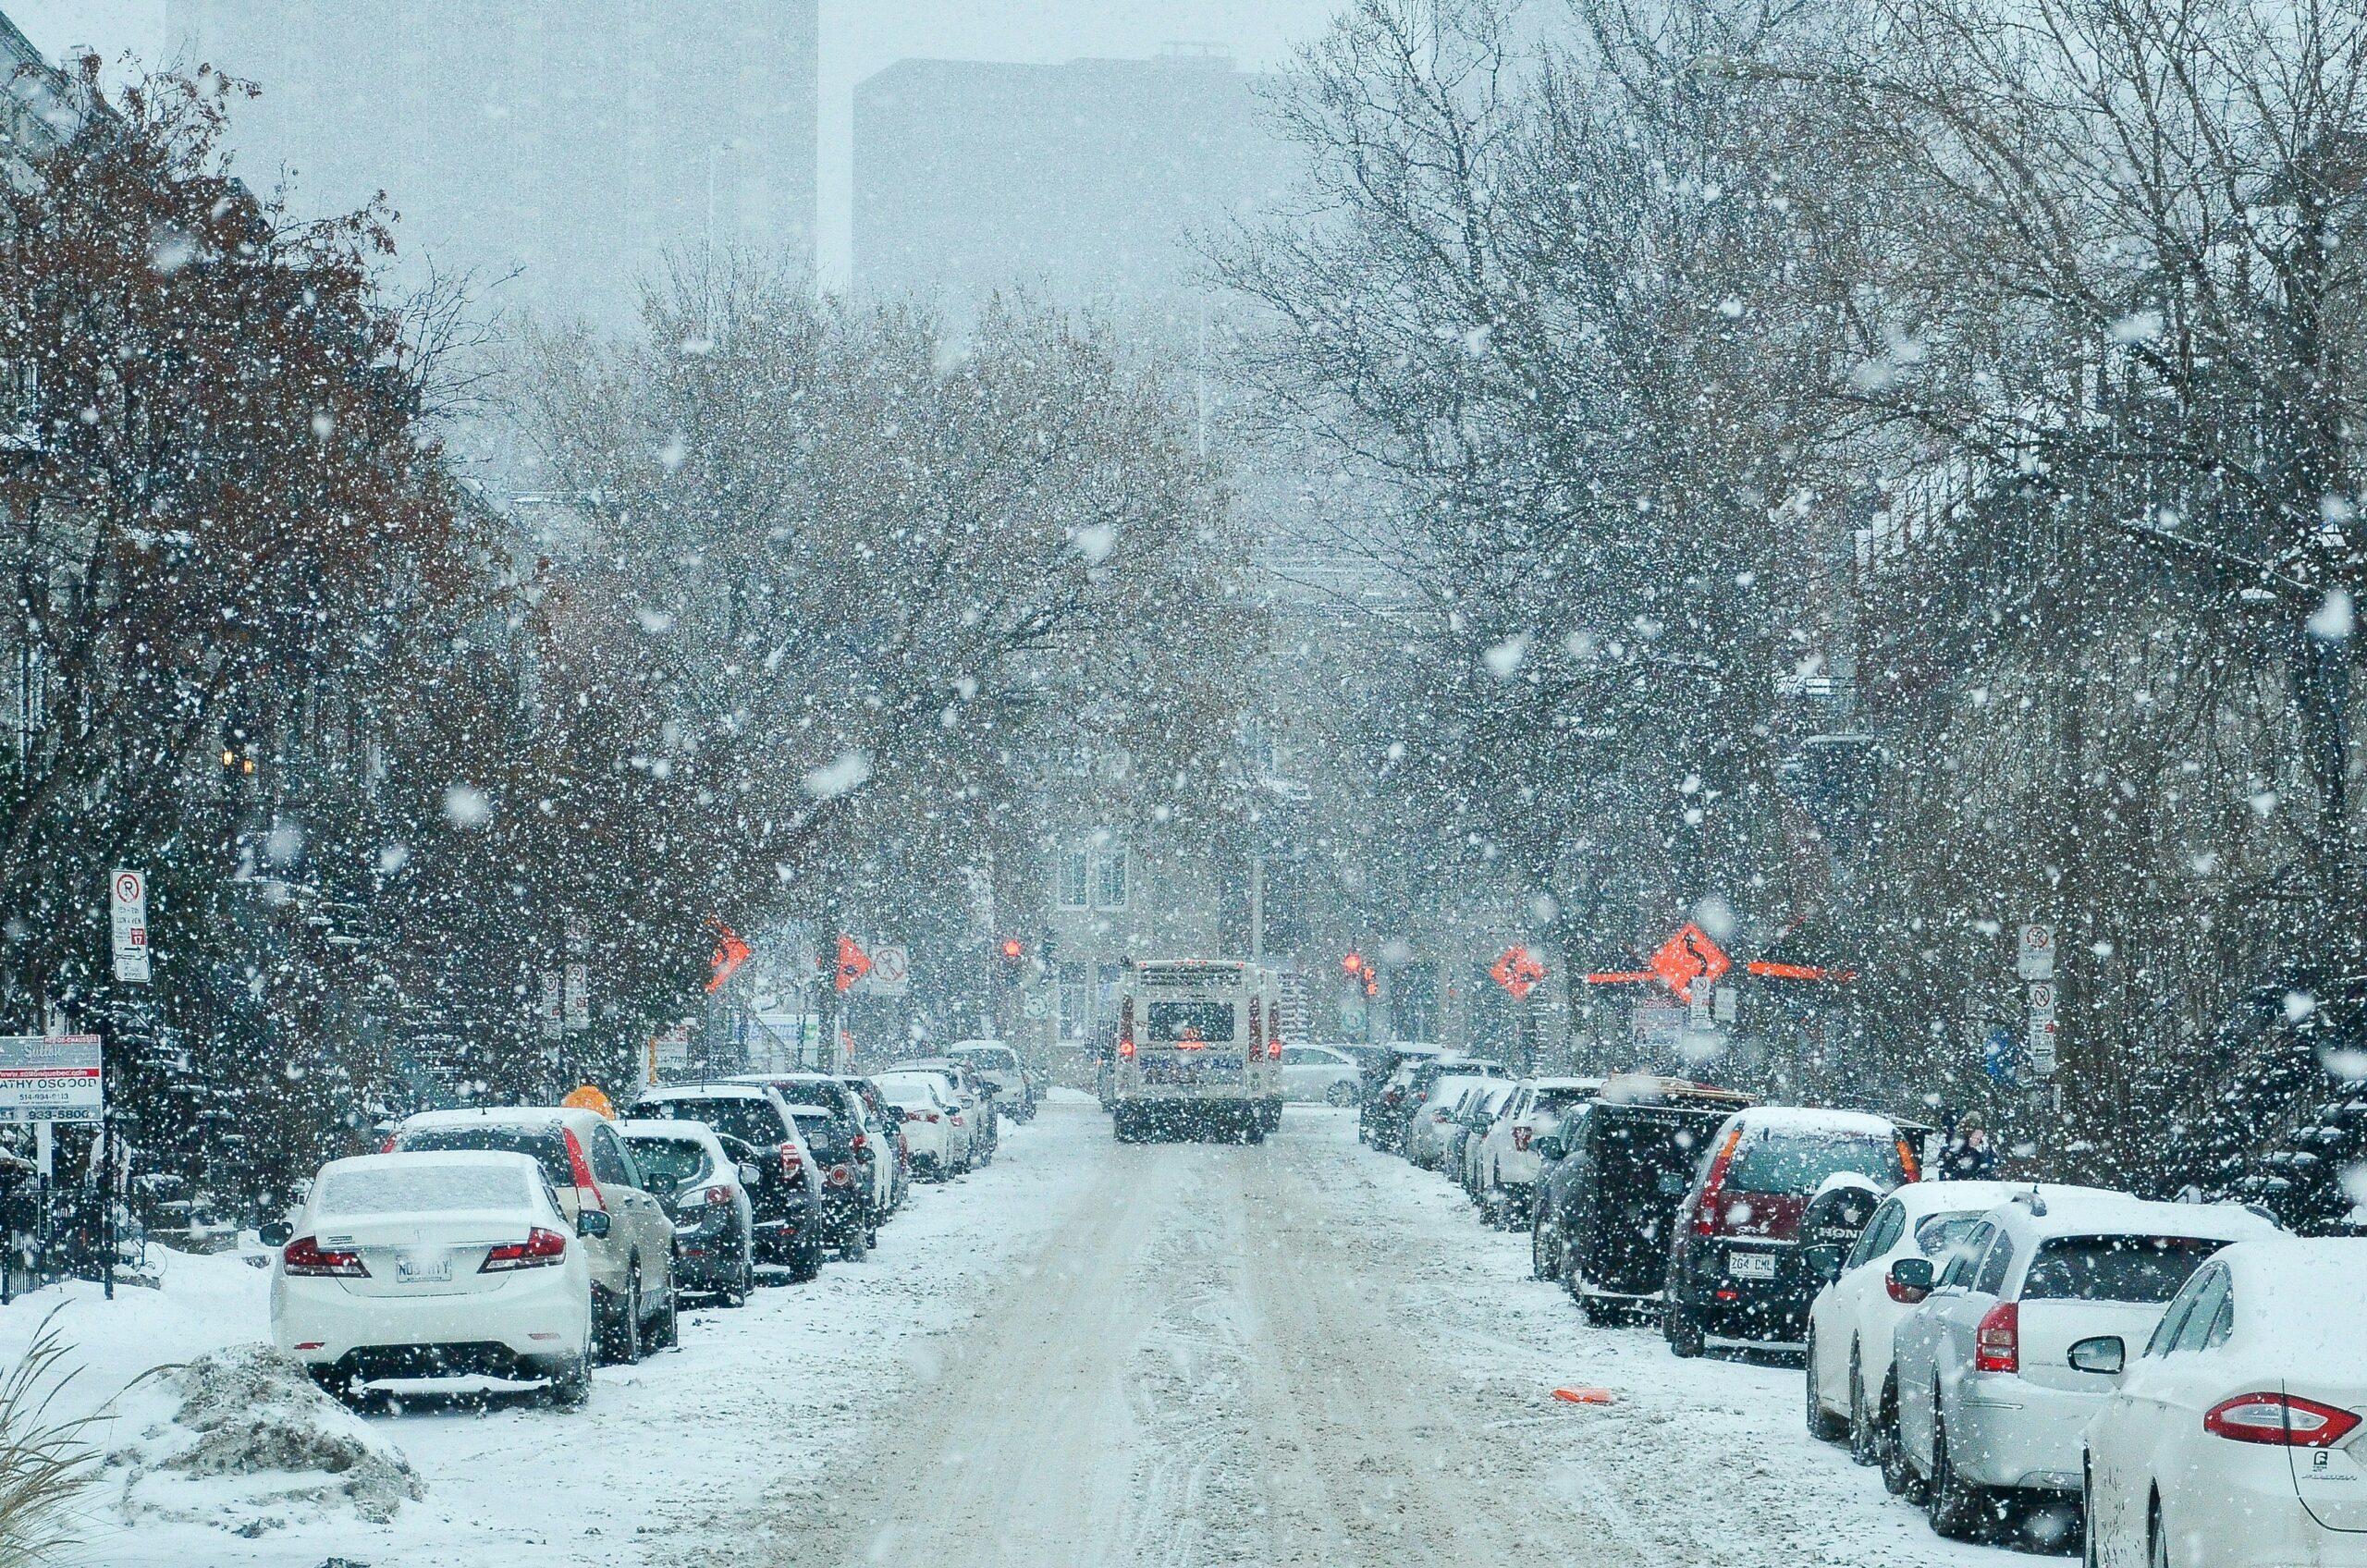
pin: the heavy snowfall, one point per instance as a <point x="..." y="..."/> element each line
<point x="1224" y="781"/>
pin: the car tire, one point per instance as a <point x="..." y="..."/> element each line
<point x="668" y="1334"/>
<point x="737" y="1293"/>
<point x="570" y="1385"/>
<point x="1952" y="1504"/>
<point x="624" y="1320"/>
<point x="1681" y="1327"/>
<point x="1898" y="1473"/>
<point x="806" y="1258"/>
<point x="1864" y="1440"/>
<point x="1822" y="1426"/>
<point x="855" y="1242"/>
<point x="1600" y="1313"/>
<point x="1538" y="1268"/>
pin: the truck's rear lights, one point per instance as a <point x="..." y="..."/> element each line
<point x="1997" y="1342"/>
<point x="305" y="1256"/>
<point x="539" y="1250"/>
<point x="2280" y="1420"/>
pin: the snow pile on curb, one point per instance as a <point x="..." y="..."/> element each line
<point x="252" y="1440"/>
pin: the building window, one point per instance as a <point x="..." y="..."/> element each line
<point x="1075" y="880"/>
<point x="1076" y="998"/>
<point x="1109" y="880"/>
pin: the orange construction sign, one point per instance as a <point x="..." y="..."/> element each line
<point x="1689" y="959"/>
<point x="853" y="964"/>
<point x="1518" y="973"/>
<point x="731" y="952"/>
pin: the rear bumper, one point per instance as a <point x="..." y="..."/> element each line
<point x="2005" y="1431"/>
<point x="1765" y="1312"/>
<point x="542" y="1313"/>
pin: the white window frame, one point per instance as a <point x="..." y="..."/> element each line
<point x="1103" y="864"/>
<point x="1080" y="861"/>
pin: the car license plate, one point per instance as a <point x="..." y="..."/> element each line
<point x="1751" y="1264"/>
<point x="411" y="1269"/>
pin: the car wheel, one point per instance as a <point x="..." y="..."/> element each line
<point x="1342" y="1094"/>
<point x="668" y="1334"/>
<point x="1537" y="1269"/>
<point x="624" y="1320"/>
<point x="1863" y="1441"/>
<point x="1898" y="1475"/>
<point x="855" y="1242"/>
<point x="571" y="1387"/>
<point x="741" y="1288"/>
<point x="1951" y="1503"/>
<point x="1601" y="1314"/>
<point x="1822" y="1426"/>
<point x="806" y="1259"/>
<point x="1682" y="1325"/>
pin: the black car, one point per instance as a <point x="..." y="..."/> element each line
<point x="715" y="1224"/>
<point x="852" y="1099"/>
<point x="1614" y="1172"/>
<point x="847" y="1218"/>
<point x="788" y="1201"/>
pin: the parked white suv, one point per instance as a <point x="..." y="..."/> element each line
<point x="1989" y="1401"/>
<point x="1853" y="1318"/>
<point x="591" y="1171"/>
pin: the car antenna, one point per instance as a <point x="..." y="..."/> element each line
<point x="2033" y="1200"/>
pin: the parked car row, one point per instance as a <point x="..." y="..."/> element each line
<point x="2173" y="1383"/>
<point x="529" y="1242"/>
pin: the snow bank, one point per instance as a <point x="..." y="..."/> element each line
<point x="247" y="1440"/>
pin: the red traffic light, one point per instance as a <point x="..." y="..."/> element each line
<point x="1013" y="947"/>
<point x="1353" y="962"/>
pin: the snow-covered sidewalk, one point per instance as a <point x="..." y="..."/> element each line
<point x="753" y="1396"/>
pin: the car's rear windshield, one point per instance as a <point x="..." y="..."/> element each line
<point x="911" y="1091"/>
<point x="1190" y="1021"/>
<point x="668" y="1162"/>
<point x="2147" y="1270"/>
<point x="1797" y="1162"/>
<point x="422" y="1189"/>
<point x="998" y="1058"/>
<point x="544" y="1144"/>
<point x="751" y="1120"/>
<point x="826" y="1135"/>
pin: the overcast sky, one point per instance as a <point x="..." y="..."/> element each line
<point x="858" y="38"/>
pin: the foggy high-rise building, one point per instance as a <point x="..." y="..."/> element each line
<point x="574" y="144"/>
<point x="1087" y="182"/>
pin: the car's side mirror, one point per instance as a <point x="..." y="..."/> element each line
<point x="1910" y="1280"/>
<point x="2104" y="1355"/>
<point x="278" y="1234"/>
<point x="1548" y="1148"/>
<point x="592" y="1222"/>
<point x="750" y="1173"/>
<point x="1823" y="1261"/>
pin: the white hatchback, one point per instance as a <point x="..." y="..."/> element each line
<point x="436" y="1264"/>
<point x="2238" y="1436"/>
<point x="934" y="1126"/>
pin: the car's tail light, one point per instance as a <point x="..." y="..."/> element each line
<point x="842" y="1176"/>
<point x="587" y="1191"/>
<point x="1520" y="1138"/>
<point x="861" y="1143"/>
<point x="305" y="1256"/>
<point x="790" y="1164"/>
<point x="392" y="1139"/>
<point x="1705" y="1216"/>
<point x="2282" y="1420"/>
<point x="1997" y="1342"/>
<point x="539" y="1250"/>
<point x="957" y="1118"/>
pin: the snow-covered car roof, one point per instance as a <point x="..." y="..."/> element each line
<point x="697" y="1133"/>
<point x="525" y="1190"/>
<point x="732" y="1091"/>
<point x="1816" y="1123"/>
<point x="2297" y="1303"/>
<point x="2089" y="1211"/>
<point x="1919" y="1198"/>
<point x="501" y="1116"/>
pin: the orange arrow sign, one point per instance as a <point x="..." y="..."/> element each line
<point x="1518" y="973"/>
<point x="731" y="952"/>
<point x="853" y="963"/>
<point x="1689" y="959"/>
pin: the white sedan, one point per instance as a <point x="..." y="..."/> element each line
<point x="2235" y="1438"/>
<point x="1320" y="1076"/>
<point x="432" y="1265"/>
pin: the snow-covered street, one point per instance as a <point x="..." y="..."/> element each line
<point x="1301" y="1352"/>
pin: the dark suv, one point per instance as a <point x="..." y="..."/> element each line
<point x="1735" y="1268"/>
